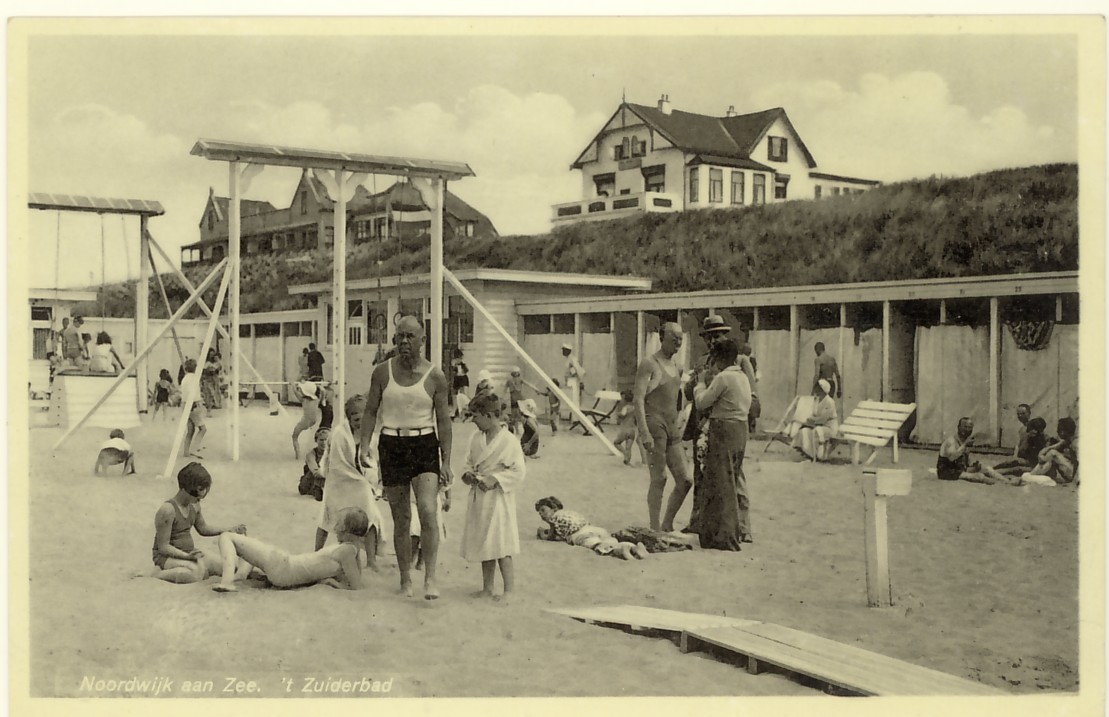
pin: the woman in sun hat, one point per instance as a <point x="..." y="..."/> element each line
<point x="813" y="436"/>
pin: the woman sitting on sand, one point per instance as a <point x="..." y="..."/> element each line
<point x="336" y="565"/>
<point x="570" y="527"/>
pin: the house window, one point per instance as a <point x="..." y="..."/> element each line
<point x="835" y="191"/>
<point x="816" y="191"/>
<point x="778" y="149"/>
<point x="605" y="184"/>
<point x="737" y="187"/>
<point x="211" y="221"/>
<point x="642" y="147"/>
<point x="304" y="201"/>
<point x="656" y="183"/>
<point x="460" y="321"/>
<point x="781" y="183"/>
<point x="355" y="312"/>
<point x="377" y="322"/>
<point x="758" y="189"/>
<point x="361" y="231"/>
<point x="618" y="152"/>
<point x="716" y="185"/>
<point x="380" y="225"/>
<point x="41" y="313"/>
<point x="694" y="185"/>
<point x="562" y="323"/>
<point x="540" y="324"/>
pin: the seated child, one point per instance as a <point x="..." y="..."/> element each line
<point x="626" y="432"/>
<point x="1058" y="462"/>
<point x="312" y="479"/>
<point x="554" y="406"/>
<point x="568" y="526"/>
<point x="443" y="502"/>
<point x="177" y="558"/>
<point x="336" y="565"/>
<point x="1026" y="457"/>
<point x="113" y="452"/>
<point x="529" y="436"/>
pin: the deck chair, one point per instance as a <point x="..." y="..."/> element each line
<point x="604" y="405"/>
<point x="874" y="423"/>
<point x="800" y="410"/>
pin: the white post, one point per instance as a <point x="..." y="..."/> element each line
<point x="995" y="372"/>
<point x="219" y="327"/>
<point x="578" y="356"/>
<point x="437" y="273"/>
<point x="339" y="295"/>
<point x="142" y="314"/>
<point x="943" y="311"/>
<point x="795" y="349"/>
<point x="233" y="231"/>
<point x="877" y="486"/>
<point x="574" y="409"/>
<point x="886" y="323"/>
<point x="187" y="405"/>
<point x="842" y="347"/>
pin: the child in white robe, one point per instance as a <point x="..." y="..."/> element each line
<point x="494" y="472"/>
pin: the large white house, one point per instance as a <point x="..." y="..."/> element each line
<point x="658" y="159"/>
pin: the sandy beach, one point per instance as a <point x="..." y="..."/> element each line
<point x="985" y="581"/>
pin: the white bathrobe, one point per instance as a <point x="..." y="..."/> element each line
<point x="490" y="530"/>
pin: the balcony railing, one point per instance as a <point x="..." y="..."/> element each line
<point x="618" y="206"/>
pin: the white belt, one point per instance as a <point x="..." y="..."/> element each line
<point x="407" y="432"/>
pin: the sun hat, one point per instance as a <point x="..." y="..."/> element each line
<point x="308" y="389"/>
<point x="527" y="407"/>
<point x="568" y="347"/>
<point x="823" y="383"/>
<point x="714" y="323"/>
<point x="515" y="370"/>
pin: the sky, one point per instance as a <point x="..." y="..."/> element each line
<point x="115" y="113"/>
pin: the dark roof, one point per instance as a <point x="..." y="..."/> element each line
<point x="247" y="207"/>
<point x="841" y="178"/>
<point x="739" y="162"/>
<point x="695" y="133"/>
<point x="402" y="196"/>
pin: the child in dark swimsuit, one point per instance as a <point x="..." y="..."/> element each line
<point x="177" y="558"/>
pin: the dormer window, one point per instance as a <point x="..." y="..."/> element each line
<point x="778" y="149"/>
<point x="304" y="201"/>
<point x="211" y="221"/>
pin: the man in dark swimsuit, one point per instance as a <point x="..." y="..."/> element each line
<point x="657" y="382"/>
<point x="414" y="448"/>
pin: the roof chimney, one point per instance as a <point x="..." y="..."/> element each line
<point x="730" y="112"/>
<point x="664" y="104"/>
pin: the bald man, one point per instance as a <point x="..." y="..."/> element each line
<point x="657" y="382"/>
<point x="414" y="448"/>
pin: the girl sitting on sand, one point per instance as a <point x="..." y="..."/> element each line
<point x="336" y="565"/>
<point x="494" y="471"/>
<point x="570" y="527"/>
<point x="312" y="479"/>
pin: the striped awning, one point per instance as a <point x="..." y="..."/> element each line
<point x="100" y="205"/>
<point x="322" y="159"/>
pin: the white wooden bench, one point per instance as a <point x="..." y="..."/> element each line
<point x="874" y="423"/>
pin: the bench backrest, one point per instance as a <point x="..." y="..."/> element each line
<point x="877" y="419"/>
<point x="604" y="395"/>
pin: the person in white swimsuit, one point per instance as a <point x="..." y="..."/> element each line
<point x="337" y="565"/>
<point x="414" y="447"/>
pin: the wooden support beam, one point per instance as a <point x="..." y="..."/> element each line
<point x="995" y="372"/>
<point x="887" y="394"/>
<point x="574" y="408"/>
<point x="640" y="337"/>
<point x="878" y="485"/>
<point x="219" y="327"/>
<point x="794" y="346"/>
<point x="142" y="315"/>
<point x="123" y="375"/>
<point x="235" y="269"/>
<point x="190" y="399"/>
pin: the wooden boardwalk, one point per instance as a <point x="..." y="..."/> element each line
<point x="848" y="668"/>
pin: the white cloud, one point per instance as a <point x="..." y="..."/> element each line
<point x="520" y="147"/>
<point x="907" y="126"/>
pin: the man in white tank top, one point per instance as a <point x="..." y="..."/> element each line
<point x="414" y="447"/>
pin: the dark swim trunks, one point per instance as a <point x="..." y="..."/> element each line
<point x="402" y="458"/>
